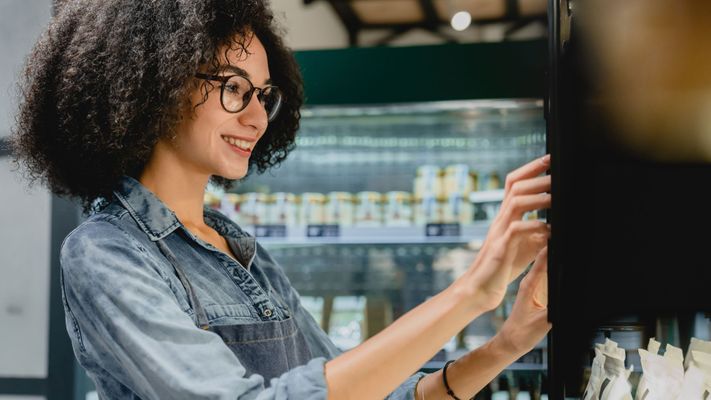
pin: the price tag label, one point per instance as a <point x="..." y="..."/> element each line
<point x="436" y="230"/>
<point x="323" y="231"/>
<point x="270" y="230"/>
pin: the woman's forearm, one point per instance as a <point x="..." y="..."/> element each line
<point x="379" y="365"/>
<point x="470" y="373"/>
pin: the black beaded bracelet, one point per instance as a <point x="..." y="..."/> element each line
<point x="446" y="385"/>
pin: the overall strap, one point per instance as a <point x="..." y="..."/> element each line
<point x="202" y="321"/>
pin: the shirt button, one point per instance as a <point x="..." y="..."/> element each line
<point x="267" y="313"/>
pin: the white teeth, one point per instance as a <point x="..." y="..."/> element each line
<point x="242" y="144"/>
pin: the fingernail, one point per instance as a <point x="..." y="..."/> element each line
<point x="546" y="159"/>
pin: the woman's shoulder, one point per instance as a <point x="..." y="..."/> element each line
<point x="106" y="230"/>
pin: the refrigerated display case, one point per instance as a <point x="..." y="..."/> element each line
<point x="395" y="263"/>
<point x="628" y="258"/>
<point x="357" y="276"/>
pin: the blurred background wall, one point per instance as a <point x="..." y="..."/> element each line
<point x="24" y="216"/>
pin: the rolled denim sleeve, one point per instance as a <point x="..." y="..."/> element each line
<point x="406" y="391"/>
<point x="125" y="322"/>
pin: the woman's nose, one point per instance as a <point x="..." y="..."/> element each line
<point x="255" y="114"/>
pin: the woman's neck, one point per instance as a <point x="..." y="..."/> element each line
<point x="177" y="185"/>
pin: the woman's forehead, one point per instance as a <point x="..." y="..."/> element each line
<point x="250" y="57"/>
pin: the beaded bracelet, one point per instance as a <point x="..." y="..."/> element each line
<point x="446" y="385"/>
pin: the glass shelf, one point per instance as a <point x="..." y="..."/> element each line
<point x="299" y="235"/>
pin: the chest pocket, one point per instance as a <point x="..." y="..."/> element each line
<point x="228" y="314"/>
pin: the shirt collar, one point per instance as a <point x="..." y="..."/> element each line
<point x="157" y="220"/>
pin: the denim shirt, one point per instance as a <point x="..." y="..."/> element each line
<point x="131" y="323"/>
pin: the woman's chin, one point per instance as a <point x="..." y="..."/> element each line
<point x="234" y="175"/>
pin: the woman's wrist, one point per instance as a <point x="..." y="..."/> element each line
<point x="472" y="291"/>
<point x="503" y="346"/>
<point x="465" y="291"/>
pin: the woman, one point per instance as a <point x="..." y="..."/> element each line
<point x="132" y="107"/>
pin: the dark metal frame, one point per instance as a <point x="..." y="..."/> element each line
<point x="431" y="22"/>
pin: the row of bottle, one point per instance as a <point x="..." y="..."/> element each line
<point x="395" y="208"/>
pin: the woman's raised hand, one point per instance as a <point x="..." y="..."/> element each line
<point x="511" y="244"/>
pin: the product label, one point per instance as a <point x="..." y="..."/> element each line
<point x="270" y="230"/>
<point x="323" y="231"/>
<point x="442" y="230"/>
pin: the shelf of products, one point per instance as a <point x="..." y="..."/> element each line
<point x="380" y="207"/>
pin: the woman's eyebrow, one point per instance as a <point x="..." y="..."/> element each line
<point x="239" y="71"/>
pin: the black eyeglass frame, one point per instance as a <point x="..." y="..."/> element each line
<point x="223" y="79"/>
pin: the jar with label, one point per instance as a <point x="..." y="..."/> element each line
<point x="458" y="209"/>
<point x="428" y="210"/>
<point x="340" y="209"/>
<point x="398" y="209"/>
<point x="230" y="206"/>
<point x="254" y="208"/>
<point x="459" y="178"/>
<point x="491" y="182"/>
<point x="369" y="209"/>
<point x="311" y="208"/>
<point x="429" y="181"/>
<point x="283" y="209"/>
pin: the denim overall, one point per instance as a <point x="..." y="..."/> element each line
<point x="269" y="348"/>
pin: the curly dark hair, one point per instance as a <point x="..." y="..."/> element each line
<point x="109" y="78"/>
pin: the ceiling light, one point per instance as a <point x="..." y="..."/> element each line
<point x="461" y="20"/>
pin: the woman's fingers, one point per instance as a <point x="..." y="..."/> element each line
<point x="540" y="184"/>
<point x="524" y="240"/>
<point x="530" y="170"/>
<point x="522" y="229"/>
<point x="519" y="205"/>
<point x="536" y="281"/>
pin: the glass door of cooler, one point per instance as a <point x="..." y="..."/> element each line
<point x="380" y="207"/>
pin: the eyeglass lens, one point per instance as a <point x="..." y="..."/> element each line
<point x="237" y="94"/>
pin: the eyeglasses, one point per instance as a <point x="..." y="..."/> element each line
<point x="236" y="92"/>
